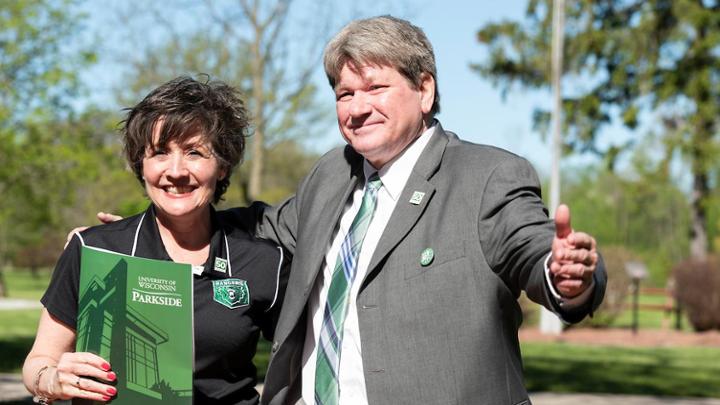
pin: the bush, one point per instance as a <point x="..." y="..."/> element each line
<point x="697" y="288"/>
<point x="617" y="290"/>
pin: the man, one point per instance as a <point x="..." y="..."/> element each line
<point x="412" y="246"/>
<point x="404" y="289"/>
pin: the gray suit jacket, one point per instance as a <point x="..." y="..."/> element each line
<point x="442" y="333"/>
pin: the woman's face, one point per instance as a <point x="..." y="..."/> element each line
<point x="180" y="179"/>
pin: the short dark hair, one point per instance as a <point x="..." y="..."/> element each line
<point x="186" y="107"/>
<point x="383" y="40"/>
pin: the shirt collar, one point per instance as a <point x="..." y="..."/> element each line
<point x="150" y="245"/>
<point x="396" y="172"/>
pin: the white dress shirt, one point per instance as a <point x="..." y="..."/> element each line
<point x="394" y="176"/>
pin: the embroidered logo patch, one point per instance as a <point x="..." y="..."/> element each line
<point x="221" y="265"/>
<point x="231" y="292"/>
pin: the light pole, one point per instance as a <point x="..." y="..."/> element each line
<point x="549" y="322"/>
<point x="637" y="271"/>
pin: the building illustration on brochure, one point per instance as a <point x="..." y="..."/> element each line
<point x="137" y="314"/>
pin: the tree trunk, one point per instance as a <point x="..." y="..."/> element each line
<point x="258" y="107"/>
<point x="698" y="221"/>
<point x="3" y="287"/>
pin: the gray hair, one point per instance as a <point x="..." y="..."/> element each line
<point x="385" y="41"/>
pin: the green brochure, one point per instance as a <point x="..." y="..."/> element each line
<point x="138" y="315"/>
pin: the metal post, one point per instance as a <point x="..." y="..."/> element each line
<point x="636" y="299"/>
<point x="549" y="322"/>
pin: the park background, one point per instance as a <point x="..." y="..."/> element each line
<point x="641" y="99"/>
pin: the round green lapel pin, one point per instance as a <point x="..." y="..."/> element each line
<point x="426" y="257"/>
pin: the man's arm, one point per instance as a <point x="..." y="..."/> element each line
<point x="278" y="224"/>
<point x="517" y="237"/>
<point x="103" y="217"/>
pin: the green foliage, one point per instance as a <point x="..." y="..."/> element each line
<point x="38" y="75"/>
<point x="287" y="163"/>
<point x="38" y="78"/>
<point x="676" y="372"/>
<point x="622" y="57"/>
<point x="65" y="170"/>
<point x="641" y="211"/>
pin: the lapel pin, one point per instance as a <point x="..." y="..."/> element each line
<point x="426" y="257"/>
<point x="417" y="197"/>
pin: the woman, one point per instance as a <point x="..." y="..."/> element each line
<point x="182" y="141"/>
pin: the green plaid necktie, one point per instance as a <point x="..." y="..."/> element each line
<point x="328" y="357"/>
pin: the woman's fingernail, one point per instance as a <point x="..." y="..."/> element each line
<point x="111" y="391"/>
<point x="105" y="398"/>
<point x="111" y="376"/>
<point x="105" y="366"/>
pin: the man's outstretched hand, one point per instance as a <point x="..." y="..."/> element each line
<point x="103" y="217"/>
<point x="574" y="256"/>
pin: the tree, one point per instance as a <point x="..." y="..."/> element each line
<point x="69" y="167"/>
<point x="622" y="58"/>
<point x="38" y="74"/>
<point x="639" y="209"/>
<point x="246" y="43"/>
<point x="37" y="82"/>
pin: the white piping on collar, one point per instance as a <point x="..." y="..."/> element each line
<point x="227" y="246"/>
<point x="277" y="280"/>
<point x="227" y="253"/>
<point x="137" y="233"/>
<point x="82" y="241"/>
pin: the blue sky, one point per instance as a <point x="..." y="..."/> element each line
<point x="471" y="107"/>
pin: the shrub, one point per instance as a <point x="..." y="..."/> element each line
<point x="617" y="290"/>
<point x="697" y="288"/>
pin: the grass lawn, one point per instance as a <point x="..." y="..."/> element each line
<point x="16" y="337"/>
<point x="680" y="371"/>
<point x="22" y="284"/>
<point x="559" y="367"/>
<point x="18" y="326"/>
<point x="554" y="367"/>
<point x="650" y="319"/>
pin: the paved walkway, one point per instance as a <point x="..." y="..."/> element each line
<point x="13" y="390"/>
<point x="548" y="398"/>
<point x="8" y="304"/>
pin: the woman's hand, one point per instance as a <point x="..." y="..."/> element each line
<point x="82" y="375"/>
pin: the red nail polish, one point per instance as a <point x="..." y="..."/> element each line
<point x="111" y="391"/>
<point x="105" y="398"/>
<point x="105" y="366"/>
<point x="111" y="376"/>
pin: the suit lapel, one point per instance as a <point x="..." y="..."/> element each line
<point x="406" y="214"/>
<point x="327" y="206"/>
<point x="320" y="227"/>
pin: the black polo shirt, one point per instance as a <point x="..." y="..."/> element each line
<point x="225" y="339"/>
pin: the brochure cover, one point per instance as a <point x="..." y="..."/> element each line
<point x="137" y="314"/>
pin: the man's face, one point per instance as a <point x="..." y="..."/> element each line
<point x="379" y="112"/>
